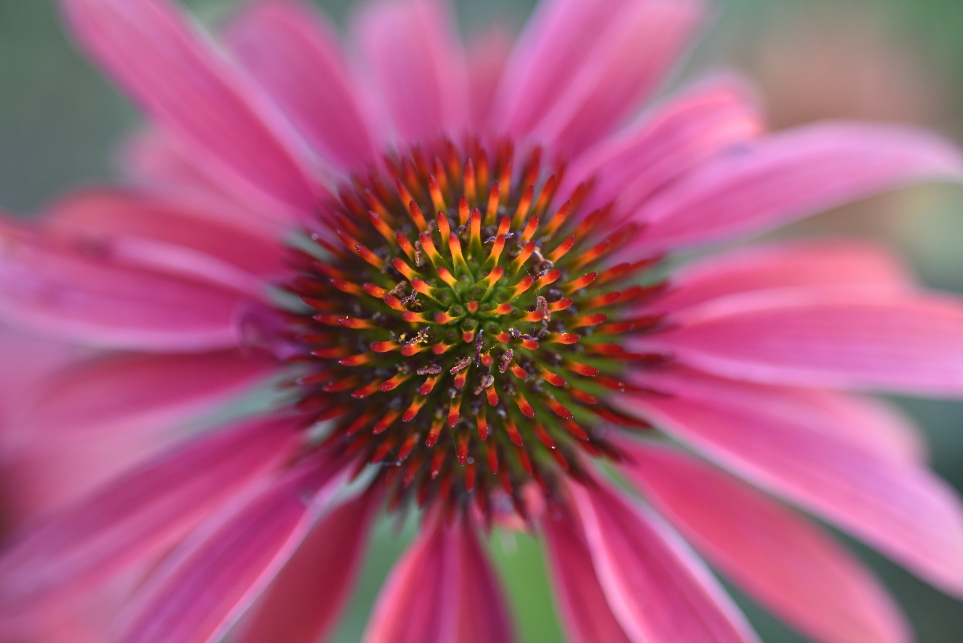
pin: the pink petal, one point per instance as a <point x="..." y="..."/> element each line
<point x="441" y="590"/>
<point x="304" y="602"/>
<point x="792" y="175"/>
<point x="788" y="564"/>
<point x="174" y="236"/>
<point x="784" y="265"/>
<point x="205" y="586"/>
<point x="138" y="392"/>
<point x="664" y="145"/>
<point x="870" y="423"/>
<point x="295" y="55"/>
<point x="153" y="161"/>
<point x="418" y="603"/>
<point x="632" y="56"/>
<point x="74" y="294"/>
<point x="168" y="68"/>
<point x="487" y="56"/>
<point x="841" y="338"/>
<point x="28" y="359"/>
<point x="156" y="165"/>
<point x="867" y="423"/>
<point x="412" y="50"/>
<point x="483" y="615"/>
<point x="582" y="605"/>
<point x="38" y="473"/>
<point x="658" y="589"/>
<point x="43" y="474"/>
<point x="900" y="508"/>
<point x="136" y="516"/>
<point x="571" y="48"/>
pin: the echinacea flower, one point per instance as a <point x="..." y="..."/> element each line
<point x="452" y="269"/>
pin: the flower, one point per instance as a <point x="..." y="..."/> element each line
<point x="452" y="272"/>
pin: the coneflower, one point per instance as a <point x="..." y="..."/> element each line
<point x="454" y="274"/>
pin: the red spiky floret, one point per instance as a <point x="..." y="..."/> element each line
<point x="453" y="324"/>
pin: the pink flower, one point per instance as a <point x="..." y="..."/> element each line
<point x="449" y="271"/>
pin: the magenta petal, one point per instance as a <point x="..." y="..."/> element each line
<point x="664" y="145"/>
<point x="206" y="585"/>
<point x="553" y="44"/>
<point x="154" y="162"/>
<point x="27" y="360"/>
<point x="171" y="235"/>
<point x="785" y="265"/>
<point x="840" y="338"/>
<point x="572" y="48"/>
<point x="486" y="58"/>
<point x="441" y="590"/>
<point x="898" y="507"/>
<point x="792" y="175"/>
<point x="45" y="473"/>
<point x="582" y="605"/>
<point x="304" y="602"/>
<point x="641" y="43"/>
<point x="158" y="166"/>
<point x="74" y="294"/>
<point x="139" y="392"/>
<point x="412" y="49"/>
<point x="135" y="516"/>
<point x="419" y="601"/>
<point x="788" y="564"/>
<point x="483" y="615"/>
<point x="295" y="55"/>
<point x="658" y="589"/>
<point x="181" y="82"/>
<point x="867" y="423"/>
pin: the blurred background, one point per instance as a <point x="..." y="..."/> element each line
<point x="872" y="59"/>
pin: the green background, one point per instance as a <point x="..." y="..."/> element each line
<point x="60" y="122"/>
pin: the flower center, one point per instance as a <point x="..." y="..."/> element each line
<point x="460" y="333"/>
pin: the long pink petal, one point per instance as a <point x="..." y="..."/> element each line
<point x="486" y="57"/>
<point x="788" y="564"/>
<point x="137" y="392"/>
<point x="867" y="423"/>
<point x="841" y="338"/>
<point x="170" y="70"/>
<point x="74" y="293"/>
<point x="900" y="508"/>
<point x="667" y="143"/>
<point x="156" y="165"/>
<point x="197" y="594"/>
<point x="633" y="54"/>
<point x="554" y="43"/>
<point x="27" y="359"/>
<point x="152" y="160"/>
<point x="483" y="616"/>
<point x="571" y="48"/>
<point x="784" y="265"/>
<point x="442" y="589"/>
<point x="792" y="175"/>
<point x="872" y="423"/>
<point x="304" y="602"/>
<point x="411" y="47"/>
<point x="582" y="605"/>
<point x="658" y="589"/>
<point x="43" y="475"/>
<point x="170" y="235"/>
<point x="419" y="601"/>
<point x="295" y="55"/>
<point x="136" y="516"/>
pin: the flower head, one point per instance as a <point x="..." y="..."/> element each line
<point x="452" y="274"/>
